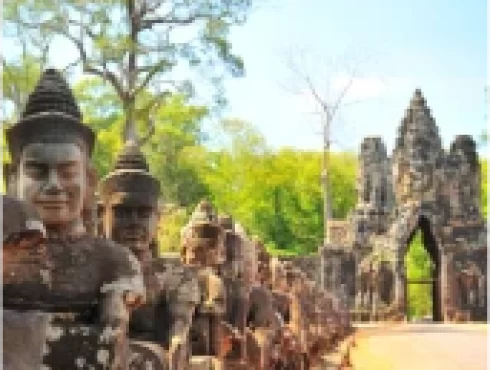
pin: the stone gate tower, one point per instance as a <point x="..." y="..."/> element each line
<point x="420" y="187"/>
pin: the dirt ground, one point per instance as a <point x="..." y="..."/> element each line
<point x="420" y="347"/>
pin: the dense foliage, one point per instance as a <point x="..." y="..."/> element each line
<point x="419" y="266"/>
<point x="136" y="46"/>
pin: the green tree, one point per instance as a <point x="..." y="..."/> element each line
<point x="178" y="129"/>
<point x="484" y="186"/>
<point x="136" y="46"/>
<point x="172" y="220"/>
<point x="419" y="265"/>
<point x="274" y="194"/>
<point x="169" y="151"/>
<point x="19" y="71"/>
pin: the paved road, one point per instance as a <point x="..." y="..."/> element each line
<point x="420" y="347"/>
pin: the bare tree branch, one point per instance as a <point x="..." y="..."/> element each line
<point x="150" y="22"/>
<point x="152" y="72"/>
<point x="322" y="102"/>
<point x="342" y="95"/>
<point x="12" y="87"/>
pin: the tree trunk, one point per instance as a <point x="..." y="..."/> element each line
<point x="129" y="104"/>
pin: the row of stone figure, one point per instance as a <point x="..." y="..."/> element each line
<point x="76" y="299"/>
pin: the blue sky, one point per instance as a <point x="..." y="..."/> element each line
<point x="396" y="46"/>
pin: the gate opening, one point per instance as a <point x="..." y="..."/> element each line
<point x="422" y="271"/>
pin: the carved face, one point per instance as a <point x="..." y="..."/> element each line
<point x="204" y="246"/>
<point x="133" y="224"/>
<point x="53" y="177"/>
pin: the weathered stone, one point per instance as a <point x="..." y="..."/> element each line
<point x="159" y="329"/>
<point x="420" y="187"/>
<point x="93" y="282"/>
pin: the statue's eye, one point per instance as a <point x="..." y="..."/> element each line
<point x="68" y="170"/>
<point x="122" y="212"/>
<point x="144" y="212"/>
<point x="36" y="170"/>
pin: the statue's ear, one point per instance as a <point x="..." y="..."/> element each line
<point x="91" y="177"/>
<point x="91" y="184"/>
<point x="7" y="168"/>
<point x="9" y="179"/>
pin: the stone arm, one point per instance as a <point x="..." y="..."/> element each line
<point x="123" y="292"/>
<point x="182" y="306"/>
<point x="230" y="337"/>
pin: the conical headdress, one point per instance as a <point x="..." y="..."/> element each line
<point x="130" y="176"/>
<point x="51" y="115"/>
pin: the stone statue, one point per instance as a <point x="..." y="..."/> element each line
<point x="130" y="202"/>
<point x="203" y="248"/>
<point x="158" y="329"/>
<point x="268" y="314"/>
<point x="83" y="303"/>
<point x="233" y="275"/>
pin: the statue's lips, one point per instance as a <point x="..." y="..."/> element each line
<point x="134" y="236"/>
<point x="52" y="204"/>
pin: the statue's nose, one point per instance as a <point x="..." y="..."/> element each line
<point x="134" y="215"/>
<point x="53" y="182"/>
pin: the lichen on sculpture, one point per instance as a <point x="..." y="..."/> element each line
<point x="93" y="281"/>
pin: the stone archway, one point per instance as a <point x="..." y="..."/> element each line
<point x="433" y="249"/>
<point x="430" y="245"/>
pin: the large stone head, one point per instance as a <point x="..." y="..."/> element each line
<point x="130" y="202"/>
<point x="50" y="150"/>
<point x="203" y="240"/>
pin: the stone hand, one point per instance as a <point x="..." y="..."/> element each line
<point x="114" y="311"/>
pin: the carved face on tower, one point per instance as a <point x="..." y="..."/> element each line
<point x="130" y="196"/>
<point x="203" y="242"/>
<point x="417" y="151"/>
<point x="50" y="150"/>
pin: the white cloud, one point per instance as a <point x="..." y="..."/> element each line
<point x="359" y="88"/>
